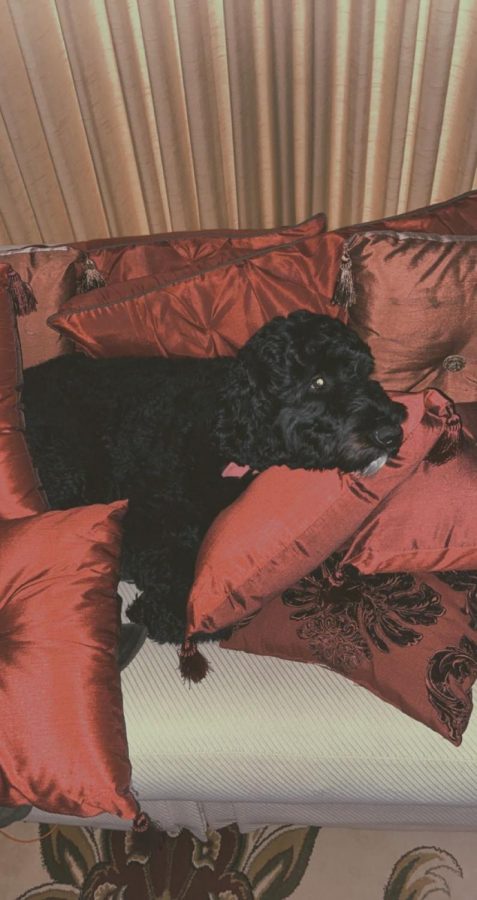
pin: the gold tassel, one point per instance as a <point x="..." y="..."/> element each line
<point x="91" y="278"/>
<point x="21" y="294"/>
<point x="345" y="295"/>
<point x="449" y="444"/>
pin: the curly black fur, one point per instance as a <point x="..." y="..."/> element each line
<point x="160" y="431"/>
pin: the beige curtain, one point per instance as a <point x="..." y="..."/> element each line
<point x="131" y="116"/>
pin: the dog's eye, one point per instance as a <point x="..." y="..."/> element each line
<point x="317" y="383"/>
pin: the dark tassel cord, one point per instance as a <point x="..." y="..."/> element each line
<point x="91" y="278"/>
<point x="193" y="666"/>
<point x="345" y="295"/>
<point x="449" y="444"/>
<point x="21" y="295"/>
<point x="141" y="822"/>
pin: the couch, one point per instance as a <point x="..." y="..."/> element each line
<point x="262" y="740"/>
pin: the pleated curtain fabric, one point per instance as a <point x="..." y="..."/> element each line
<point x="135" y="116"/>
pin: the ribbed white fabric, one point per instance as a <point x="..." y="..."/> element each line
<point x="265" y="741"/>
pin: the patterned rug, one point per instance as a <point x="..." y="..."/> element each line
<point x="272" y="863"/>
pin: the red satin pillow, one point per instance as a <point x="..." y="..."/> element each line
<point x="213" y="313"/>
<point x="64" y="746"/>
<point x="20" y="492"/>
<point x="455" y="216"/>
<point x="410" y="639"/>
<point x="289" y="520"/>
<point x="429" y="524"/>
<point x="412" y="299"/>
<point x="47" y="277"/>
<point x="174" y="255"/>
<point x="216" y="312"/>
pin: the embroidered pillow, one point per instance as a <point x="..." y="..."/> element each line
<point x="20" y="491"/>
<point x="170" y="256"/>
<point x="289" y="520"/>
<point x="213" y="313"/>
<point x="429" y="523"/>
<point x="64" y="746"/>
<point x="410" y="639"/>
<point x="42" y="279"/>
<point x="412" y="298"/>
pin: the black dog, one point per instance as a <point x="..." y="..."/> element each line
<point x="160" y="432"/>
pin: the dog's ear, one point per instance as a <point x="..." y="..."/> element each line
<point x="245" y="422"/>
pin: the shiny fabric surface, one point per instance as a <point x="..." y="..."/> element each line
<point x="289" y="520"/>
<point x="210" y="314"/>
<point x="429" y="524"/>
<point x="409" y="639"/>
<point x="172" y="255"/>
<point x="217" y="311"/>
<point x="416" y="308"/>
<point x="64" y="744"/>
<point x="52" y="275"/>
<point x="455" y="216"/>
<point x="20" y="492"/>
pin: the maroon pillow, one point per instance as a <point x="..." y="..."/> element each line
<point x="411" y="297"/>
<point x="20" y="491"/>
<point x="455" y="216"/>
<point x="217" y="310"/>
<point x="64" y="745"/>
<point x="410" y="639"/>
<point x="45" y="277"/>
<point x="289" y="520"/>
<point x="429" y="523"/>
<point x="175" y="254"/>
<point x="207" y="314"/>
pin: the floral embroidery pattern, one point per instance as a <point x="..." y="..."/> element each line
<point x="345" y="615"/>
<point x="450" y="676"/>
<point x="466" y="582"/>
<point x="92" y="864"/>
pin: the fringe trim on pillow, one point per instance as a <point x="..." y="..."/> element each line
<point x="345" y="294"/>
<point x="192" y="665"/>
<point x="90" y="278"/>
<point x="21" y="295"/>
<point x="449" y="444"/>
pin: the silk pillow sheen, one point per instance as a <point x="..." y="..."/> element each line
<point x="20" y="491"/>
<point x="51" y="276"/>
<point x="412" y="298"/>
<point x="429" y="524"/>
<point x="64" y="746"/>
<point x="289" y="520"/>
<point x="173" y="255"/>
<point x="455" y="216"/>
<point x="206" y="315"/>
<point x="217" y="311"/>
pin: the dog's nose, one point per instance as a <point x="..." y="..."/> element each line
<point x="388" y="436"/>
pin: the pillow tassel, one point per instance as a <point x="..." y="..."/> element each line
<point x="345" y="295"/>
<point x="91" y="278"/>
<point x="21" y="295"/>
<point x="141" y="822"/>
<point x="193" y="665"/>
<point x="449" y="444"/>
